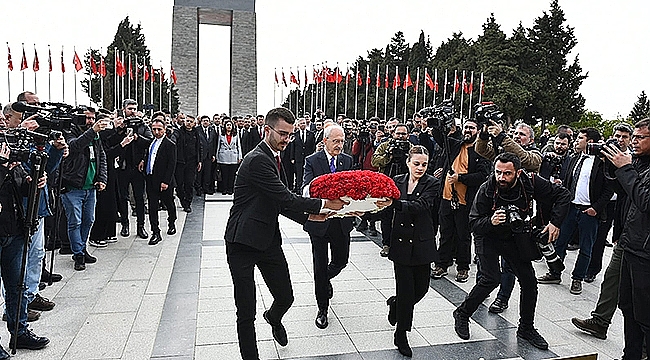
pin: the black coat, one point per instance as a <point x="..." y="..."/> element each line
<point x="75" y="167"/>
<point x="260" y="196"/>
<point x="600" y="189"/>
<point x="315" y="166"/>
<point x="209" y="142"/>
<point x="189" y="149"/>
<point x="412" y="231"/>
<point x="253" y="137"/>
<point x="303" y="149"/>
<point x="635" y="181"/>
<point x="164" y="164"/>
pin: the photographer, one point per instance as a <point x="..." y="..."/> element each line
<point x="555" y="163"/>
<point x="521" y="145"/>
<point x="83" y="173"/>
<point x="14" y="184"/>
<point x="363" y="147"/>
<point x="499" y="221"/>
<point x="466" y="172"/>
<point x="633" y="175"/>
<point x="128" y="173"/>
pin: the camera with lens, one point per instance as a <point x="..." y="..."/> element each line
<point x="487" y="113"/>
<point x="513" y="219"/>
<point x="555" y="163"/>
<point x="547" y="249"/>
<point x="399" y="149"/>
<point x="21" y="142"/>
<point x="133" y="122"/>
<point x="439" y="117"/>
<point x="52" y="117"/>
<point x="596" y="148"/>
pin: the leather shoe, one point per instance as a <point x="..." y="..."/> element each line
<point x="321" y="319"/>
<point x="278" y="331"/>
<point x="155" y="239"/>
<point x="498" y="306"/>
<point x="392" y="310"/>
<point x="402" y="344"/>
<point x="28" y="340"/>
<point x="3" y="354"/>
<point x="171" y="230"/>
<point x="330" y="290"/>
<point x="461" y="324"/>
<point x="125" y="230"/>
<point x="142" y="233"/>
<point x="45" y="276"/>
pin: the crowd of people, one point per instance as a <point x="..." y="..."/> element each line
<point x="502" y="188"/>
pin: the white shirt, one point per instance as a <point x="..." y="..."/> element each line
<point x="582" y="185"/>
<point x="153" y="150"/>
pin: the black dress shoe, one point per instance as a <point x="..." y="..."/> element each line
<point x="29" y="340"/>
<point x="402" y="344"/>
<point x="171" y="229"/>
<point x="330" y="290"/>
<point x="392" y="310"/>
<point x="88" y="259"/>
<point x="142" y="233"/>
<point x="278" y="331"/>
<point x="125" y="230"/>
<point x="65" y="251"/>
<point x="498" y="306"/>
<point x="45" y="276"/>
<point x="155" y="239"/>
<point x="321" y="319"/>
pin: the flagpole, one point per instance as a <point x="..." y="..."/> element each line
<point x="480" y="90"/>
<point x="62" y="78"/>
<point x="462" y="95"/>
<point x="151" y="87"/>
<point x="90" y="84"/>
<point x="122" y="61"/>
<point x="21" y="66"/>
<point x="297" y="90"/>
<point x="424" y="88"/>
<point x="325" y="92"/>
<point x="347" y="80"/>
<point x="406" y="91"/>
<point x="8" y="74"/>
<point x="35" y="91"/>
<point x="386" y="93"/>
<point x="144" y="82"/>
<point x="304" y="93"/>
<point x="417" y="84"/>
<point x="336" y="90"/>
<point x="160" y="85"/>
<point x="169" y="88"/>
<point x="101" y="77"/>
<point x="129" y="80"/>
<point x="435" y="87"/>
<point x="367" y="86"/>
<point x="289" y="88"/>
<point x="135" y="80"/>
<point x="312" y="89"/>
<point x="377" y="83"/>
<point x="114" y="77"/>
<point x="471" y="91"/>
<point x="395" y="86"/>
<point x="444" y="95"/>
<point x="356" y="91"/>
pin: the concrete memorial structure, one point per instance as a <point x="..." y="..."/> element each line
<point x="240" y="16"/>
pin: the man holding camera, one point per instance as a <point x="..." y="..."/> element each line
<point x="590" y="194"/>
<point x="463" y="176"/>
<point x="83" y="173"/>
<point x="128" y="173"/>
<point x="522" y="144"/>
<point x="499" y="221"/>
<point x="633" y="175"/>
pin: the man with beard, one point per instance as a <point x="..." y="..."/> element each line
<point x="463" y="176"/>
<point x="522" y="144"/>
<point x="509" y="191"/>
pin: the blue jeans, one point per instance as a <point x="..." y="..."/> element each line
<point x="79" y="208"/>
<point x="35" y="255"/>
<point x="11" y="254"/>
<point x="587" y="229"/>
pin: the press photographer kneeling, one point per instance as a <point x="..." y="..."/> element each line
<point x="500" y="220"/>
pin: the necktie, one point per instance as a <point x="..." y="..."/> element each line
<point x="149" y="159"/>
<point x="303" y="136"/>
<point x="332" y="166"/>
<point x="576" y="176"/>
<point x="278" y="162"/>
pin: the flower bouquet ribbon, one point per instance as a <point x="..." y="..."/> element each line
<point x="362" y="188"/>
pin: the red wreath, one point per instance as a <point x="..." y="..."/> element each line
<point x="356" y="184"/>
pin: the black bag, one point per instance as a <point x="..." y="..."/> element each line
<point x="528" y="249"/>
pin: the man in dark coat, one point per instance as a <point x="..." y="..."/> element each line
<point x="189" y="152"/>
<point x="303" y="146"/>
<point x="205" y="178"/>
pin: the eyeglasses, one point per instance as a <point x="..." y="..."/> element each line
<point x="639" y="137"/>
<point x="521" y="133"/>
<point x="283" y="134"/>
<point x="401" y="133"/>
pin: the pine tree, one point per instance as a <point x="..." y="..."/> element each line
<point x="641" y="109"/>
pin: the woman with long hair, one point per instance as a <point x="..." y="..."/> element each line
<point x="229" y="155"/>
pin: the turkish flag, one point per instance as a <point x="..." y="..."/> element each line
<point x="292" y="78"/>
<point x="10" y="64"/>
<point x="102" y="66"/>
<point x="119" y="68"/>
<point x="359" y="79"/>
<point x="456" y="84"/>
<point x="471" y="86"/>
<point x="465" y="87"/>
<point x="153" y="74"/>
<point x="284" y="80"/>
<point x="428" y="81"/>
<point x="162" y="75"/>
<point x="276" y="77"/>
<point x="35" y="65"/>
<point x="368" y="78"/>
<point x="93" y="66"/>
<point x="378" y="82"/>
<point x="396" y="81"/>
<point x="172" y="74"/>
<point x="386" y="79"/>
<point x="62" y="63"/>
<point x="23" y="63"/>
<point x="306" y="80"/>
<point x="482" y="87"/>
<point x="77" y="62"/>
<point x="49" y="59"/>
<point x="407" y="81"/>
<point x="347" y="76"/>
<point x="146" y="73"/>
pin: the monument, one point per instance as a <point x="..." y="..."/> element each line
<point x="240" y="16"/>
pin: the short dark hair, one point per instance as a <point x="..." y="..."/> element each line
<point x="591" y="133"/>
<point x="274" y="116"/>
<point x="623" y="127"/>
<point x="156" y="120"/>
<point x="205" y="117"/>
<point x="643" y="123"/>
<point x="128" y="102"/>
<point x="563" y="135"/>
<point x="158" y="113"/>
<point x="23" y="95"/>
<point x="402" y="125"/>
<point x="417" y="150"/>
<point x="508" y="157"/>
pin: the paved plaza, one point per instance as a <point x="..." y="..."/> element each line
<point x="175" y="301"/>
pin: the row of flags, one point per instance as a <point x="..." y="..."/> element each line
<point x="97" y="66"/>
<point x="329" y="75"/>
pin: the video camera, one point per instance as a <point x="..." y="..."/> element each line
<point x="399" y="149"/>
<point x="440" y="117"/>
<point x="513" y="219"/>
<point x="596" y="148"/>
<point x="487" y="113"/>
<point x="20" y="142"/>
<point x="555" y="162"/>
<point x="52" y="116"/>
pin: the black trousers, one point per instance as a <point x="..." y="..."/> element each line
<point x="136" y="179"/>
<point x="206" y="176"/>
<point x="154" y="196"/>
<point x="411" y="284"/>
<point x="272" y="264"/>
<point x="299" y="165"/>
<point x="339" y="243"/>
<point x="491" y="277"/>
<point x="633" y="300"/>
<point x="228" y="172"/>
<point x="596" y="261"/>
<point x="455" y="239"/>
<point x="185" y="175"/>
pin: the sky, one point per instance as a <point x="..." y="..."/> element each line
<point x="611" y="39"/>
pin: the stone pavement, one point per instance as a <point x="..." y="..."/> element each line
<point x="174" y="301"/>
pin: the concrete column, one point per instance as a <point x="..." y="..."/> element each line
<point x="185" y="56"/>
<point x="243" y="64"/>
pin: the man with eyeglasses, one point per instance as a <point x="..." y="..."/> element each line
<point x="633" y="175"/>
<point x="522" y="144"/>
<point x="253" y="233"/>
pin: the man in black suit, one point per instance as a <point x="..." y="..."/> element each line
<point x="303" y="146"/>
<point x="253" y="232"/>
<point x="209" y="138"/>
<point x="336" y="232"/>
<point x="159" y="165"/>
<point x="256" y="133"/>
<point x="590" y="194"/>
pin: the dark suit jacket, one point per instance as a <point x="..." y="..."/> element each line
<point x="412" y="233"/>
<point x="209" y="141"/>
<point x="254" y="136"/>
<point x="600" y="189"/>
<point x="317" y="165"/>
<point x="260" y="196"/>
<point x="164" y="164"/>
<point x="303" y="149"/>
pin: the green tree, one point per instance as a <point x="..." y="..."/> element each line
<point x="641" y="109"/>
<point x="129" y="39"/>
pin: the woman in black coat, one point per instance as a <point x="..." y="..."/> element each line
<point x="412" y="242"/>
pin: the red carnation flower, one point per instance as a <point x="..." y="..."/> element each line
<point x="355" y="184"/>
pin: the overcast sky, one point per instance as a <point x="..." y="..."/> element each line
<point x="612" y="39"/>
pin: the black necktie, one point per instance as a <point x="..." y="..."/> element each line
<point x="576" y="176"/>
